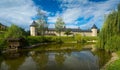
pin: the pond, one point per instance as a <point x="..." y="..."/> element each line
<point x="55" y="57"/>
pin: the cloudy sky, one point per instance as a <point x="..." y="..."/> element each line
<point x="75" y="13"/>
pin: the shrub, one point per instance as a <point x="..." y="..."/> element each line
<point x="79" y="38"/>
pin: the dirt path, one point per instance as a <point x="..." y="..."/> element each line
<point x="114" y="57"/>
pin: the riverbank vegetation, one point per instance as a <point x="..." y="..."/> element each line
<point x="109" y="36"/>
<point x="16" y="32"/>
<point x="56" y="39"/>
<point x="12" y="32"/>
<point x="114" y="65"/>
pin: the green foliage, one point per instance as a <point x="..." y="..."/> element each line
<point x="14" y="32"/>
<point x="110" y="29"/>
<point x="2" y="44"/>
<point x="41" y="26"/>
<point x="113" y="44"/>
<point x="68" y="32"/>
<point x="55" y="39"/>
<point x="40" y="39"/>
<point x="79" y="38"/>
<point x="114" y="65"/>
<point x="34" y="39"/>
<point x="90" y="38"/>
<point x="118" y="53"/>
<point x="41" y="23"/>
<point x="59" y="25"/>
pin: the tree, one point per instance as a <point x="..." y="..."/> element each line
<point x="41" y="23"/>
<point x="59" y="25"/>
<point x="68" y="32"/>
<point x="14" y="32"/>
<point x="110" y="30"/>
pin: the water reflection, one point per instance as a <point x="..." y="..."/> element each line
<point x="29" y="64"/>
<point x="4" y="66"/>
<point x="52" y="60"/>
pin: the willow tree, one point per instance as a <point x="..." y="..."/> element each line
<point x="59" y="25"/>
<point x="110" y="29"/>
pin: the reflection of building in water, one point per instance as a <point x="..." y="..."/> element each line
<point x="51" y="31"/>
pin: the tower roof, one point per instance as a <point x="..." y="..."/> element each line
<point x="94" y="27"/>
<point x="33" y="23"/>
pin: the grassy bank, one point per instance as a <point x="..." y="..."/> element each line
<point x="115" y="65"/>
<point x="56" y="39"/>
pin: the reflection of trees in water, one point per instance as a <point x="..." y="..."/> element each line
<point x="13" y="59"/>
<point x="102" y="56"/>
<point x="15" y="63"/>
<point x="41" y="59"/>
<point x="1" y="59"/>
<point x="59" y="47"/>
<point x="60" y="58"/>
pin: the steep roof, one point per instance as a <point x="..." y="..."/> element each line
<point x="33" y="23"/>
<point x="94" y="27"/>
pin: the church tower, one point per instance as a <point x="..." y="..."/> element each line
<point x="94" y="30"/>
<point x="33" y="31"/>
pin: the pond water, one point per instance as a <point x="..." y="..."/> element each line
<point x="55" y="57"/>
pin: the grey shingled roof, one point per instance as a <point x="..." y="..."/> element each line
<point x="94" y="27"/>
<point x="33" y="23"/>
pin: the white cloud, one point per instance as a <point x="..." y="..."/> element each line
<point x="75" y="9"/>
<point x="51" y="26"/>
<point x="18" y="12"/>
<point x="71" y="26"/>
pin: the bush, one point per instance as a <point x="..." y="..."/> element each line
<point x="79" y="38"/>
<point x="2" y="44"/>
<point x="34" y="39"/>
<point x="40" y="39"/>
<point x="90" y="38"/>
<point x="15" y="32"/>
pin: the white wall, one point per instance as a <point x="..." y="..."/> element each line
<point x="33" y="31"/>
<point x="94" y="32"/>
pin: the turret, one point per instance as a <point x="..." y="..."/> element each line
<point x="33" y="31"/>
<point x="94" y="30"/>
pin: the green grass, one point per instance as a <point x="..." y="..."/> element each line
<point x="118" y="53"/>
<point x="114" y="66"/>
<point x="38" y="39"/>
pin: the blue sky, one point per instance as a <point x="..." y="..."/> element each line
<point x="75" y="13"/>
